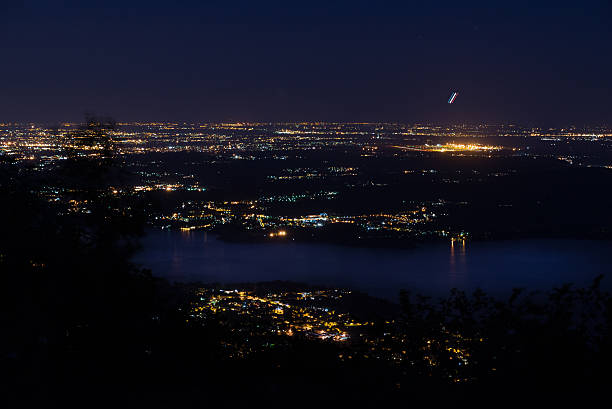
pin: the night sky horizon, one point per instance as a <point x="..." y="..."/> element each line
<point x="545" y="65"/>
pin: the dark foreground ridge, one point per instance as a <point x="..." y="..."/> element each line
<point x="267" y="343"/>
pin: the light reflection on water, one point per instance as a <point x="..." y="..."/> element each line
<point x="496" y="267"/>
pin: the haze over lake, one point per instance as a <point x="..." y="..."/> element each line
<point x="497" y="266"/>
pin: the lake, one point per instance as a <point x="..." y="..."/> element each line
<point x="434" y="269"/>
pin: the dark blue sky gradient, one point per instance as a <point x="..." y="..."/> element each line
<point x="541" y="63"/>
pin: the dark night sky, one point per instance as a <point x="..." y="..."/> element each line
<point x="531" y="62"/>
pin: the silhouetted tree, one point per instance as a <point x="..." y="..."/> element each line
<point x="535" y="342"/>
<point x="67" y="282"/>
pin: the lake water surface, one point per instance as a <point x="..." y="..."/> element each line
<point x="496" y="267"/>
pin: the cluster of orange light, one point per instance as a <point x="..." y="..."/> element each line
<point x="450" y="147"/>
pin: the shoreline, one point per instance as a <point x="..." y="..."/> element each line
<point x="302" y="237"/>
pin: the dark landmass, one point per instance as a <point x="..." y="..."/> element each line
<point x="464" y="351"/>
<point x="82" y="326"/>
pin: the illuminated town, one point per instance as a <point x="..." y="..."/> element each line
<point x="196" y="172"/>
<point x="271" y="316"/>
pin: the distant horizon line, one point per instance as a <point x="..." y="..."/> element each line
<point x="230" y="122"/>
